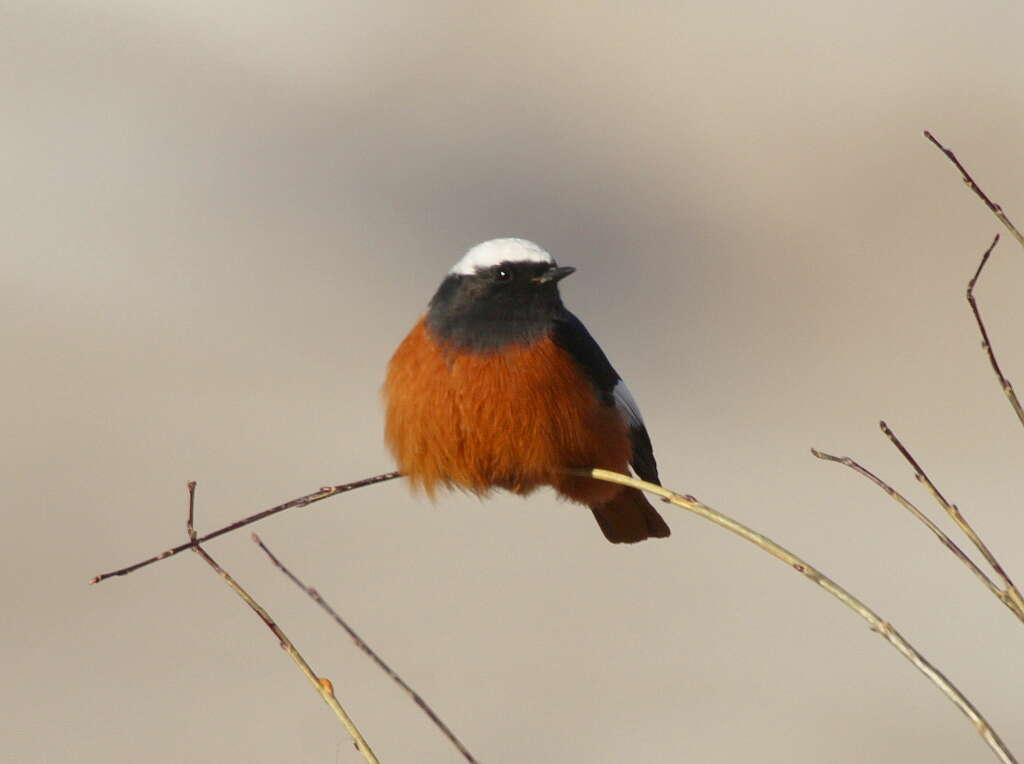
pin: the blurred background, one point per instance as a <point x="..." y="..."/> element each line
<point x="222" y="217"/>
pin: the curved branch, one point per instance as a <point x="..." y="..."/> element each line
<point x="302" y="501"/>
<point x="876" y="622"/>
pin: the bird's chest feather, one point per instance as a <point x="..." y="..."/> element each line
<point x="511" y="418"/>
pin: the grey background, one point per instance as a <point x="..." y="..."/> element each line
<point x="221" y="217"/>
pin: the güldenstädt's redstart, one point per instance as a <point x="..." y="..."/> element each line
<point x="499" y="386"/>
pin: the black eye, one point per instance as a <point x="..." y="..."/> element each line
<point x="502" y="274"/>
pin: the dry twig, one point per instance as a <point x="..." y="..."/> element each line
<point x="875" y="621"/>
<point x="302" y="501"/>
<point x="1010" y="596"/>
<point x="322" y="685"/>
<point x="997" y="210"/>
<point x="1007" y="592"/>
<point x="315" y="596"/>
<point x="912" y="508"/>
<point x="985" y="343"/>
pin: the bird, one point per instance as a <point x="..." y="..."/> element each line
<point x="499" y="386"/>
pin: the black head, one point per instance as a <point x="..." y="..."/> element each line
<point x="503" y="291"/>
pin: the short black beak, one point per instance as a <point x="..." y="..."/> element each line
<point x="554" y="275"/>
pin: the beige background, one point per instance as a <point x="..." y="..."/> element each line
<point x="220" y="218"/>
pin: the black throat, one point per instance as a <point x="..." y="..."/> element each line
<point x="482" y="313"/>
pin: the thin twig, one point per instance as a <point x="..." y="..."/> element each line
<point x="302" y="501"/>
<point x="985" y="343"/>
<point x="190" y="527"/>
<point x="322" y="685"/>
<point x="997" y="210"/>
<point x="910" y="507"/>
<point x="1009" y="596"/>
<point x="361" y="644"/>
<point x="874" y="620"/>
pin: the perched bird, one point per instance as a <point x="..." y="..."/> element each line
<point x="499" y="386"/>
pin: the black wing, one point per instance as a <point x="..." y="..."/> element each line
<point x="572" y="336"/>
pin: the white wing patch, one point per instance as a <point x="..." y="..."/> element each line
<point x="626" y="403"/>
<point x="496" y="251"/>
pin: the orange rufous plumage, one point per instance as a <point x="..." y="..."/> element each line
<point x="513" y="419"/>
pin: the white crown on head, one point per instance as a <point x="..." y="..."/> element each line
<point x="495" y="251"/>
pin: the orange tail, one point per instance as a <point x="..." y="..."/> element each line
<point x="629" y="518"/>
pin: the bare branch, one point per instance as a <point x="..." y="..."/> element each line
<point x="190" y="527"/>
<point x="361" y="644"/>
<point x="985" y="343"/>
<point x="996" y="209"/>
<point x="876" y="623"/>
<point x="1011" y="596"/>
<point x="910" y="507"/>
<point x="302" y="501"/>
<point x="322" y="685"/>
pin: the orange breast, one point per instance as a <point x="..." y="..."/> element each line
<point x="513" y="419"/>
